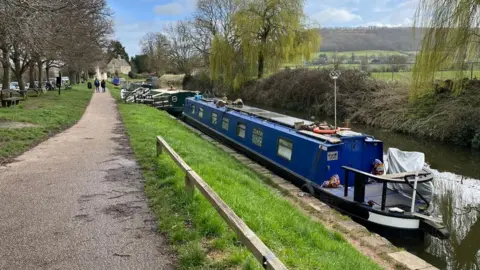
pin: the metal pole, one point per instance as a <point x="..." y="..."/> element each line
<point x="471" y="71"/>
<point x="335" y="86"/>
<point x="412" y="210"/>
<point x="334" y="75"/>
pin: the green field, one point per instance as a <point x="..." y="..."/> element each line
<point x="368" y="53"/>
<point x="200" y="237"/>
<point x="49" y="113"/>
<point x="405" y="76"/>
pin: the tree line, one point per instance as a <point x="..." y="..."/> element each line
<point x="234" y="41"/>
<point x="37" y="35"/>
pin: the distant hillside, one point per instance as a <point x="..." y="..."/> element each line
<point x="370" y="38"/>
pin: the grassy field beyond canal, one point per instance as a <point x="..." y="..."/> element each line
<point x="47" y="115"/>
<point x="198" y="234"/>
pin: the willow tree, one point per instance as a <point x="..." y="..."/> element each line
<point x="451" y="37"/>
<point x="271" y="33"/>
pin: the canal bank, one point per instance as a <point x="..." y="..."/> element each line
<point x="198" y="235"/>
<point x="371" y="245"/>
<point x="457" y="194"/>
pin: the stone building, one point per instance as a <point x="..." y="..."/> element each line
<point x="119" y="65"/>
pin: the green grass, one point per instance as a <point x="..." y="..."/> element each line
<point x="198" y="234"/>
<point x="50" y="112"/>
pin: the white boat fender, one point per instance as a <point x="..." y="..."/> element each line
<point x="396" y="210"/>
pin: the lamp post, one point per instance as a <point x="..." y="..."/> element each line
<point x="335" y="74"/>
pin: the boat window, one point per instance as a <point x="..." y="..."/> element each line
<point x="285" y="149"/>
<point x="225" y="123"/>
<point x="193" y="109"/>
<point x="241" y="130"/>
<point x="214" y="118"/>
<point x="200" y="112"/>
<point x="257" y="137"/>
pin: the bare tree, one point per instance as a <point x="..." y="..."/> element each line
<point x="156" y="46"/>
<point x="212" y="18"/>
<point x="85" y="35"/>
<point x="182" y="54"/>
<point x="75" y="30"/>
<point x="21" y="61"/>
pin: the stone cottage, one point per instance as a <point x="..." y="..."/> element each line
<point x="119" y="65"/>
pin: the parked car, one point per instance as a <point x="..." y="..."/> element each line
<point x="14" y="85"/>
<point x="65" y="80"/>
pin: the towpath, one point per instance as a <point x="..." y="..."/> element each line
<point x="76" y="201"/>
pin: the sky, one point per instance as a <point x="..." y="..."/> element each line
<point x="133" y="19"/>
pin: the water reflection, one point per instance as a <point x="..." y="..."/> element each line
<point x="456" y="200"/>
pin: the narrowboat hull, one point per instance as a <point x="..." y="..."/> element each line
<point x="172" y="102"/>
<point x="409" y="227"/>
<point x="385" y="222"/>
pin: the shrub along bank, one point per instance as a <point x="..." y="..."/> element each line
<point x="201" y="238"/>
<point x="442" y="115"/>
<point x="49" y="114"/>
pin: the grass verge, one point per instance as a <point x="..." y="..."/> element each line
<point x="201" y="238"/>
<point x="49" y="113"/>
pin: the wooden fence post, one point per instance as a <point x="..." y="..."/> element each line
<point x="192" y="180"/>
<point x="189" y="185"/>
<point x="159" y="147"/>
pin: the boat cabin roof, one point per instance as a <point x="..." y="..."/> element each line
<point x="272" y="116"/>
<point x="279" y="121"/>
<point x="168" y="91"/>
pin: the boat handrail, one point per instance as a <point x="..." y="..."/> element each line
<point x="399" y="178"/>
<point x="360" y="183"/>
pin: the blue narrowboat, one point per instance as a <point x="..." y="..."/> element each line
<point x="310" y="160"/>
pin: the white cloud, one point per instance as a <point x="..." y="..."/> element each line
<point x="335" y="15"/>
<point x="399" y="15"/>
<point x="130" y="32"/>
<point x="407" y="22"/>
<point x="174" y="8"/>
<point x="381" y="9"/>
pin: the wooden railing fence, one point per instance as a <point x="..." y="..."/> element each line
<point x="261" y="252"/>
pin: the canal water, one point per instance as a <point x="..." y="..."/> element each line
<point x="456" y="200"/>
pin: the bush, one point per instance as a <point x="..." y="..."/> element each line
<point x="312" y="91"/>
<point x="132" y="75"/>
<point x="200" y="82"/>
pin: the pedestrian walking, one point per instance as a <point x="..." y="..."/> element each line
<point x="103" y="85"/>
<point x="97" y="85"/>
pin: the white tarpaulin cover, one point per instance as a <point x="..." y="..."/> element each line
<point x="398" y="161"/>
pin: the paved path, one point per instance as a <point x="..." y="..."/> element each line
<point x="76" y="201"/>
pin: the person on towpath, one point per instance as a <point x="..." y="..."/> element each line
<point x="97" y="85"/>
<point x="103" y="86"/>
